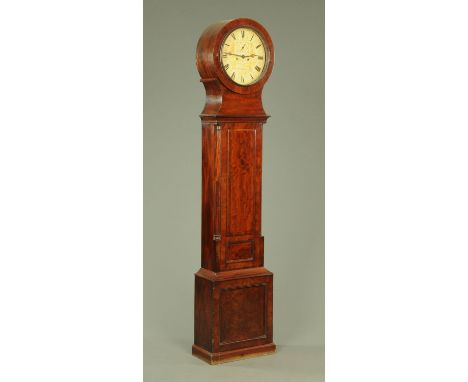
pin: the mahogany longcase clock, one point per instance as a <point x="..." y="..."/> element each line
<point x="233" y="291"/>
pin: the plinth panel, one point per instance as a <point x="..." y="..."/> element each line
<point x="243" y="313"/>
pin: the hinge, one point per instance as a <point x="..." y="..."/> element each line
<point x="216" y="237"/>
<point x="218" y="126"/>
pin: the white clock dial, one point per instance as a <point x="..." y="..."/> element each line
<point x="243" y="56"/>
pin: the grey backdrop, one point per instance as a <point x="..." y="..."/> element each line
<point x="293" y="186"/>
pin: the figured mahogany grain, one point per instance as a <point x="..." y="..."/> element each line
<point x="239" y="318"/>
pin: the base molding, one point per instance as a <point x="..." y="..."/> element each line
<point x="233" y="355"/>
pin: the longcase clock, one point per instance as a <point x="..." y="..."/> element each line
<point x="233" y="290"/>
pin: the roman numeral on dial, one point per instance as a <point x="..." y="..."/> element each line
<point x="243" y="32"/>
<point x="226" y="67"/>
<point x="233" y="75"/>
<point x="257" y="68"/>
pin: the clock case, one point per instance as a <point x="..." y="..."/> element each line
<point x="233" y="290"/>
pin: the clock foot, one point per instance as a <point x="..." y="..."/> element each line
<point x="232" y="355"/>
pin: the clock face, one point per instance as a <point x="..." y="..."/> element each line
<point x="243" y="56"/>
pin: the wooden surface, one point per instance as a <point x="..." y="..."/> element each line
<point x="231" y="195"/>
<point x="233" y="292"/>
<point x="233" y="309"/>
<point x="234" y="355"/>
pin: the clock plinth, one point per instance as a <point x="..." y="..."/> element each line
<point x="233" y="290"/>
<point x="233" y="314"/>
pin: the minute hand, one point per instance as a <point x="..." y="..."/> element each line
<point x="243" y="55"/>
<point x="238" y="55"/>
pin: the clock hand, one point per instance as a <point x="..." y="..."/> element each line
<point x="238" y="55"/>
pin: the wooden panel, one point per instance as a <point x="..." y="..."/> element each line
<point x="241" y="167"/>
<point x="203" y="313"/>
<point x="209" y="156"/>
<point x="239" y="310"/>
<point x="237" y="252"/>
<point x="240" y="251"/>
<point x="243" y="314"/>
